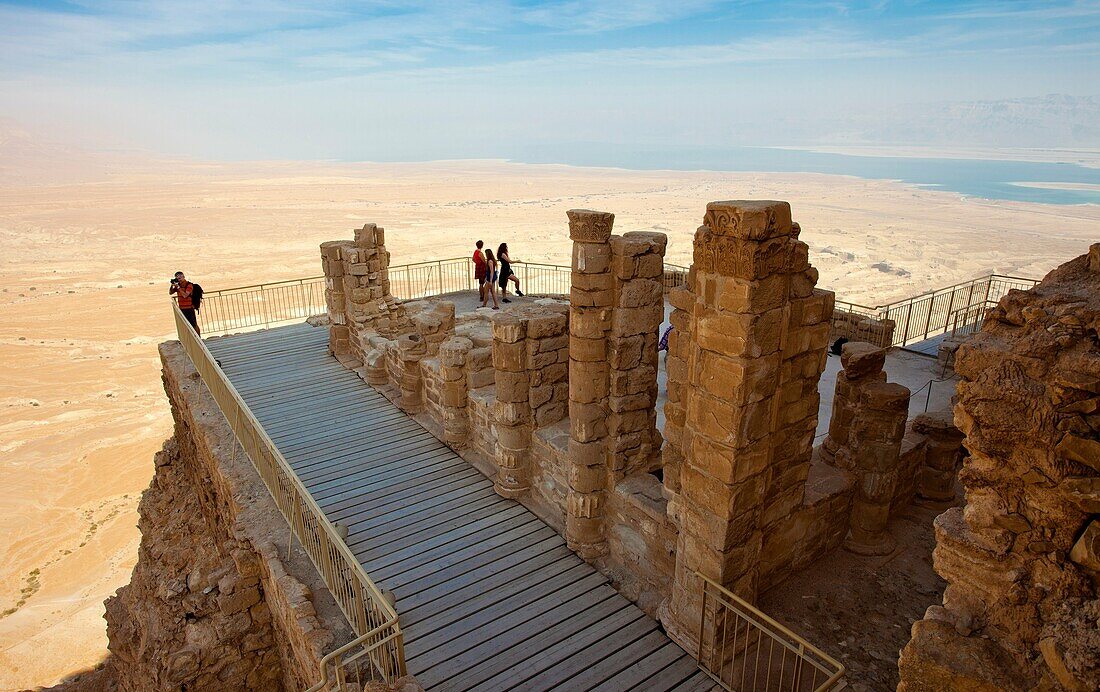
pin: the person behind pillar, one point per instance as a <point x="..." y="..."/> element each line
<point x="481" y="267"/>
<point x="490" y="280"/>
<point x="182" y="289"/>
<point x="506" y="273"/>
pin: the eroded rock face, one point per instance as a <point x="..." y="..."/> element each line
<point x="193" y="613"/>
<point x="1020" y="556"/>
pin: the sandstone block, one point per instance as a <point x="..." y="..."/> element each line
<point x="641" y="292"/>
<point x="508" y="328"/>
<point x="589" y="323"/>
<point x="587" y="422"/>
<point x="737" y="295"/>
<point x="860" y="359"/>
<point x="588" y="381"/>
<point x="725" y="463"/>
<point x="750" y="260"/>
<point x="591" y="258"/>
<point x="749" y="219"/>
<point x="510" y="357"/>
<point x="550" y="413"/>
<point x="740" y="335"/>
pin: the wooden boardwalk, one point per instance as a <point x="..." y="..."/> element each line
<point x="490" y="597"/>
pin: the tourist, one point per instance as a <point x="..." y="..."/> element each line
<point x="506" y="273"/>
<point x="183" y="290"/>
<point x="480" y="270"/>
<point x="490" y="280"/>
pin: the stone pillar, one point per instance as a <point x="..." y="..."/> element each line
<point x="452" y="367"/>
<point x="942" y="457"/>
<point x="802" y="358"/>
<point x="332" y="266"/>
<point x="547" y="363"/>
<point x="1020" y="608"/>
<point x="590" y="309"/>
<point x="637" y="260"/>
<point x="875" y="445"/>
<point x="862" y="363"/>
<point x="511" y="410"/>
<point x="749" y="322"/>
<point x="411" y="348"/>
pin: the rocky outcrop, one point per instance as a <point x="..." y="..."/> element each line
<point x="214" y="602"/>
<point x="1021" y="558"/>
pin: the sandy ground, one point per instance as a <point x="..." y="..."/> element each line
<point x="84" y="276"/>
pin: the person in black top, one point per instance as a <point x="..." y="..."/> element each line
<point x="506" y="273"/>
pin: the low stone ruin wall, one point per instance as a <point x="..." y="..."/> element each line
<point x="856" y="326"/>
<point x="556" y="402"/>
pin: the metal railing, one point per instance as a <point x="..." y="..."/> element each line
<point x="271" y="304"/>
<point x="934" y="313"/>
<point x="377" y="651"/>
<point x="954" y="309"/>
<point x="744" y="650"/>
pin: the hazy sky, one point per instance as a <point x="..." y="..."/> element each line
<point x="413" y="80"/>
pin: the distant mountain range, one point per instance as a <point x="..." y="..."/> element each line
<point x="1055" y="120"/>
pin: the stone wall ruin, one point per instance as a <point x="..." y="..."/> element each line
<point x="556" y="402"/>
<point x="1021" y="609"/>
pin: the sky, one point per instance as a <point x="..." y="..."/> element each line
<point x="397" y="80"/>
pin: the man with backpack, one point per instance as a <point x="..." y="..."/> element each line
<point x="189" y="296"/>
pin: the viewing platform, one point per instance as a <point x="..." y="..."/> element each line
<point x="535" y="497"/>
<point x="489" y="596"/>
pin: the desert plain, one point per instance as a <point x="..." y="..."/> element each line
<point x="90" y="244"/>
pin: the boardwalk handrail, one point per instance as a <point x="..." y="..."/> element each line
<point x="264" y="305"/>
<point x="370" y="614"/>
<point x="732" y="648"/>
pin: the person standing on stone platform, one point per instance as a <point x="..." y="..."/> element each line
<point x="183" y="290"/>
<point x="480" y="269"/>
<point x="506" y="273"/>
<point x="490" y="280"/>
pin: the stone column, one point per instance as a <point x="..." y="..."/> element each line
<point x="637" y="260"/>
<point x="332" y="266"/>
<point x="547" y="363"/>
<point x="452" y="368"/>
<point x="411" y="348"/>
<point x="862" y="363"/>
<point x="590" y="308"/>
<point x="511" y="410"/>
<point x="749" y="322"/>
<point x="942" y="457"/>
<point x="875" y="444"/>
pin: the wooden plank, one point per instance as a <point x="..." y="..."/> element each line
<point x="374" y="560"/>
<point x="354" y="509"/>
<point x="343" y="477"/>
<point x="621" y="652"/>
<point x="546" y="669"/>
<point x="553" y="568"/>
<point x="641" y="669"/>
<point x="456" y="497"/>
<point x="508" y="650"/>
<point x="472" y="562"/>
<point x="430" y="648"/>
<point x="700" y="682"/>
<point x="424" y="604"/>
<point x="404" y="528"/>
<point x="683" y="670"/>
<point x="399" y="483"/>
<point x="361" y="434"/>
<point x="334" y="457"/>
<point x="367" y="473"/>
<point x="494" y="535"/>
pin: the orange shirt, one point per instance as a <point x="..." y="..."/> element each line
<point x="183" y="295"/>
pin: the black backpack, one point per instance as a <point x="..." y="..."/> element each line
<point x="196" y="295"/>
